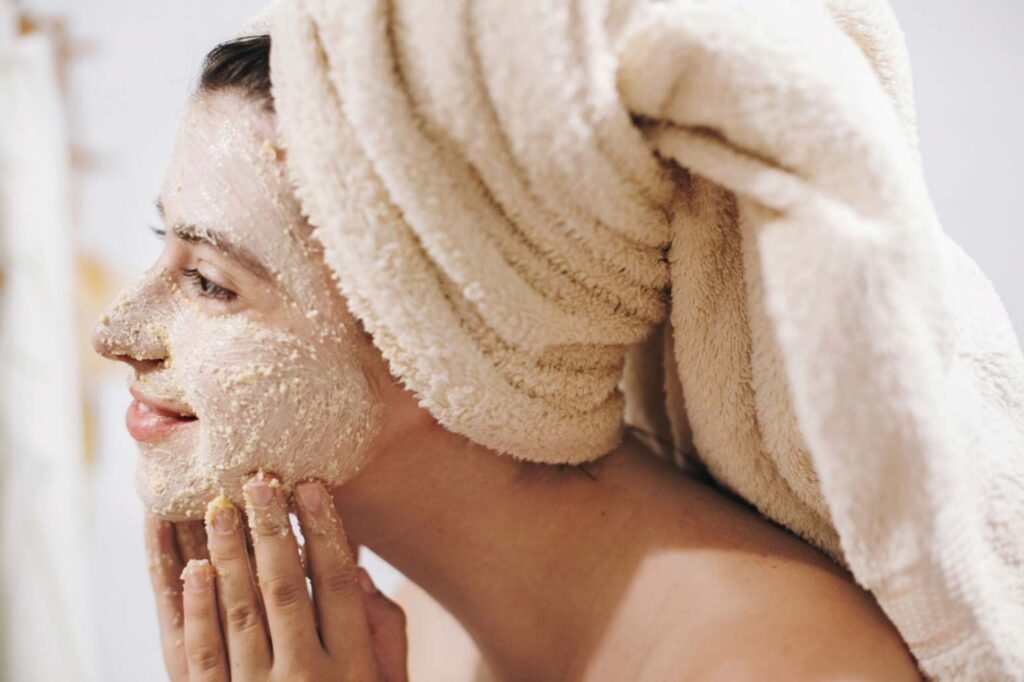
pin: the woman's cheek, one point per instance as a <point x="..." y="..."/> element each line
<point x="269" y="399"/>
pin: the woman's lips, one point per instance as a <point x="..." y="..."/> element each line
<point x="149" y="420"/>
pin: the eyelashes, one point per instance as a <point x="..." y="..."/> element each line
<point x="199" y="283"/>
<point x="206" y="288"/>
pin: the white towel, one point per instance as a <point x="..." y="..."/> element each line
<point x="507" y="190"/>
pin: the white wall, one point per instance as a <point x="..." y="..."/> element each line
<point x="128" y="90"/>
<point x="43" y="472"/>
<point x="968" y="62"/>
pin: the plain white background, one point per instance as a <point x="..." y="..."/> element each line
<point x="135" y="63"/>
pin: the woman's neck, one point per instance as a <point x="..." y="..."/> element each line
<point x="532" y="566"/>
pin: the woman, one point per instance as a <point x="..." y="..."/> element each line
<point x="247" y="360"/>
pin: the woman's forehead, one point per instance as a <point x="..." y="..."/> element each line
<point x="226" y="172"/>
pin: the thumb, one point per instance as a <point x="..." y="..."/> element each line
<point x="387" y="629"/>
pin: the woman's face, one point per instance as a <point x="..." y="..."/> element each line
<point x="244" y="354"/>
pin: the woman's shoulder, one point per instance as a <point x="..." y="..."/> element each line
<point x="743" y="615"/>
<point x="701" y="588"/>
<point x="721" y="593"/>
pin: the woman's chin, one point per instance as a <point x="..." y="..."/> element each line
<point x="177" y="480"/>
<point x="173" y="516"/>
<point x="172" y="507"/>
<point x="166" y="497"/>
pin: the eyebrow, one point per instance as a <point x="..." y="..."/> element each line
<point x="218" y="240"/>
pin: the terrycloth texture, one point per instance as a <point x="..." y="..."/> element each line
<point x="507" y="191"/>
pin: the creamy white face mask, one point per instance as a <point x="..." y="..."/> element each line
<point x="273" y="375"/>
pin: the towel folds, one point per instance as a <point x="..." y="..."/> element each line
<point x="722" y="202"/>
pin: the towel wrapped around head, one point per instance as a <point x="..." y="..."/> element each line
<point x="712" y="211"/>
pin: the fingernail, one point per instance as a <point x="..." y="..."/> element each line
<point x="311" y="496"/>
<point x="260" y="490"/>
<point x="224" y="520"/>
<point x="221" y="515"/>
<point x="198" y="575"/>
<point x="365" y="581"/>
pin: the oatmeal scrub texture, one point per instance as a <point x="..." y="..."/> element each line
<point x="271" y="372"/>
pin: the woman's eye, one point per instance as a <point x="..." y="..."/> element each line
<point x="205" y="287"/>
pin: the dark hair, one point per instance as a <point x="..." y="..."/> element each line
<point x="242" y="64"/>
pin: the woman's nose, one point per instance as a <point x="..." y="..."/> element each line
<point x="102" y="344"/>
<point x="129" y="330"/>
<point x="142" y="359"/>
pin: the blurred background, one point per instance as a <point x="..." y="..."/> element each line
<point x="91" y="94"/>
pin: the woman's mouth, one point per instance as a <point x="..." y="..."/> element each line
<point x="148" y="419"/>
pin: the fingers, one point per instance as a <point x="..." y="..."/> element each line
<point x="191" y="537"/>
<point x="204" y="645"/>
<point x="241" y="612"/>
<point x="336" y="589"/>
<point x="387" y="628"/>
<point x="282" y="580"/>
<point x="164" y="571"/>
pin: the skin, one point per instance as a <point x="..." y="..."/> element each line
<point x="218" y="624"/>
<point x="234" y="326"/>
<point x="634" y="571"/>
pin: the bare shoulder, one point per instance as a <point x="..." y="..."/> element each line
<point x="720" y="593"/>
<point x="702" y="589"/>
<point x="770" y="617"/>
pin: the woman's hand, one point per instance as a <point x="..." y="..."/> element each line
<point x="219" y="623"/>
